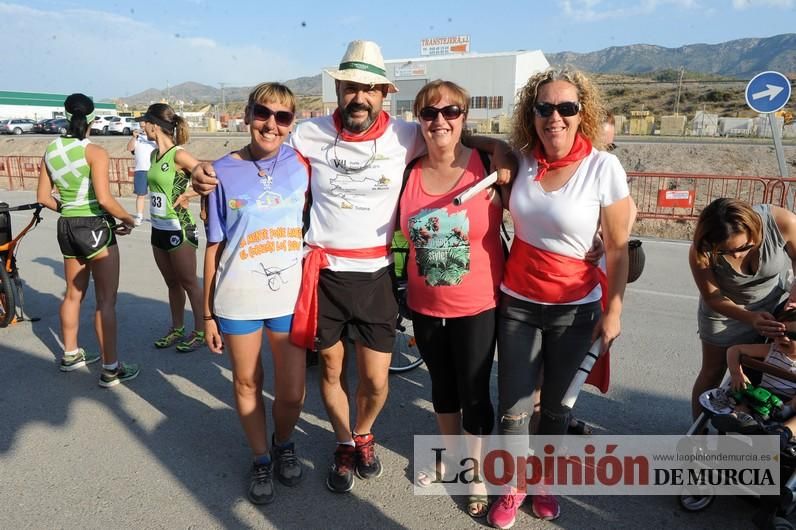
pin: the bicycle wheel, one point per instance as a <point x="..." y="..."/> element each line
<point x="405" y="355"/>
<point x="7" y="299"/>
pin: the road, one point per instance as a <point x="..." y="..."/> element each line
<point x="166" y="450"/>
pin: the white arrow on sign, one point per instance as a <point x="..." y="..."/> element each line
<point x="771" y="91"/>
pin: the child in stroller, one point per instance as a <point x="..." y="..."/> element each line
<point x="740" y="407"/>
<point x="774" y="398"/>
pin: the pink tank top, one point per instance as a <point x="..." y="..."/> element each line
<point x="455" y="260"/>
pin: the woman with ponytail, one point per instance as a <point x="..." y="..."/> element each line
<point x="554" y="302"/>
<point x="174" y="240"/>
<point x="77" y="171"/>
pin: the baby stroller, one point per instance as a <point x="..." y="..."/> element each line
<point x="772" y="510"/>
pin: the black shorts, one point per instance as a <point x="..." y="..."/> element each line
<point x="84" y="237"/>
<point x="360" y="303"/>
<point x="169" y="240"/>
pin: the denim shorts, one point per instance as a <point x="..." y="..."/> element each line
<point x="244" y="327"/>
<point x="140" y="182"/>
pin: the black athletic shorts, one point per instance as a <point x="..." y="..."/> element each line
<point x="84" y="237"/>
<point x="360" y="303"/>
<point x="169" y="240"/>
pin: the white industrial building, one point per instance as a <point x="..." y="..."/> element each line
<point x="492" y="79"/>
<point x="38" y="106"/>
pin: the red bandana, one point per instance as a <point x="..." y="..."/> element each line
<point x="375" y="131"/>
<point x="580" y="150"/>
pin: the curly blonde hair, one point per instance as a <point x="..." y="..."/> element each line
<point x="592" y="113"/>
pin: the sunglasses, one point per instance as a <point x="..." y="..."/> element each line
<point x="791" y="335"/>
<point x="282" y="117"/>
<point x="744" y="248"/>
<point x="565" y="109"/>
<point x="451" y="112"/>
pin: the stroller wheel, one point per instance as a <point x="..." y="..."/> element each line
<point x="695" y="503"/>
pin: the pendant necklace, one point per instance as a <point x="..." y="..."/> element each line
<point x="261" y="172"/>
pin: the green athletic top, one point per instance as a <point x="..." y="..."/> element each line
<point x="166" y="183"/>
<point x="66" y="160"/>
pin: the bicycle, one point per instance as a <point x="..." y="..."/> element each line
<point x="11" y="299"/>
<point x="405" y="355"/>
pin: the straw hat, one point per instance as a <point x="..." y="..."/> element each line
<point x="363" y="63"/>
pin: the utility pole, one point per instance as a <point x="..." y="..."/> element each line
<point x="679" y="86"/>
<point x="223" y="101"/>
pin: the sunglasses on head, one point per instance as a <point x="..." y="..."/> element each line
<point x="451" y="112"/>
<point x="565" y="109"/>
<point x="744" y="248"/>
<point x="282" y="117"/>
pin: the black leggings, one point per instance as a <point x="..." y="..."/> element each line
<point x="459" y="352"/>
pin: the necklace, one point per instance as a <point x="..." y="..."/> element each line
<point x="347" y="166"/>
<point x="261" y="172"/>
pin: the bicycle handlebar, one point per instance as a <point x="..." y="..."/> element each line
<point x="32" y="206"/>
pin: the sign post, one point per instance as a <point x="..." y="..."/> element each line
<point x="766" y="93"/>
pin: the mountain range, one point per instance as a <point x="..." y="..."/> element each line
<point x="736" y="59"/>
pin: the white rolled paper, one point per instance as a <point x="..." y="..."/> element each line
<point x="580" y="376"/>
<point x="473" y="190"/>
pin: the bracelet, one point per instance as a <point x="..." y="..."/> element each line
<point x="209" y="317"/>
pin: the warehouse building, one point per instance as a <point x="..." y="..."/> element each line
<point x="39" y="106"/>
<point x="492" y="79"/>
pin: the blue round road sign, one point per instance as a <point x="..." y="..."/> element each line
<point x="768" y="92"/>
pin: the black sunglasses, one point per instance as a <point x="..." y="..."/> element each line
<point x="261" y="112"/>
<point x="724" y="252"/>
<point x="565" y="109"/>
<point x="451" y="112"/>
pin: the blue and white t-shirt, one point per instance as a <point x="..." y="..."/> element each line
<point x="260" y="220"/>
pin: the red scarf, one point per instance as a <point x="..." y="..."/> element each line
<point x="375" y="131"/>
<point x="305" y="316"/>
<point x="580" y="150"/>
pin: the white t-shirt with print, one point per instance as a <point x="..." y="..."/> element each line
<point x="355" y="208"/>
<point x="565" y="221"/>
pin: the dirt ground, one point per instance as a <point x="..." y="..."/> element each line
<point x="719" y="158"/>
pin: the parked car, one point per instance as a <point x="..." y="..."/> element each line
<point x="38" y="127"/>
<point x="123" y="125"/>
<point x="100" y="124"/>
<point x="56" y="126"/>
<point x="17" y="126"/>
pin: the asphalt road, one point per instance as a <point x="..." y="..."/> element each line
<point x="166" y="450"/>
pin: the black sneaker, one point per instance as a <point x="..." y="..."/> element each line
<point x="287" y="466"/>
<point x="124" y="372"/>
<point x="368" y="464"/>
<point x="261" y="485"/>
<point x="341" y="476"/>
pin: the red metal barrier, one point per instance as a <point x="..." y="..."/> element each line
<point x="22" y="172"/>
<point x="645" y="187"/>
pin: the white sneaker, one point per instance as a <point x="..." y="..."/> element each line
<point x="138" y="219"/>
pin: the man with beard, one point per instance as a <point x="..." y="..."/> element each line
<point x="357" y="158"/>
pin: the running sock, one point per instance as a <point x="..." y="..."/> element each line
<point x="110" y="367"/>
<point x="351" y="443"/>
<point x="73" y="352"/>
<point x="262" y="459"/>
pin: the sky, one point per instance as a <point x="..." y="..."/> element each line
<point x="109" y="49"/>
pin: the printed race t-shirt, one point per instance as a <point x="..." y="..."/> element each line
<point x="455" y="254"/>
<point x="355" y="187"/>
<point x="565" y="221"/>
<point x="259" y="219"/>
